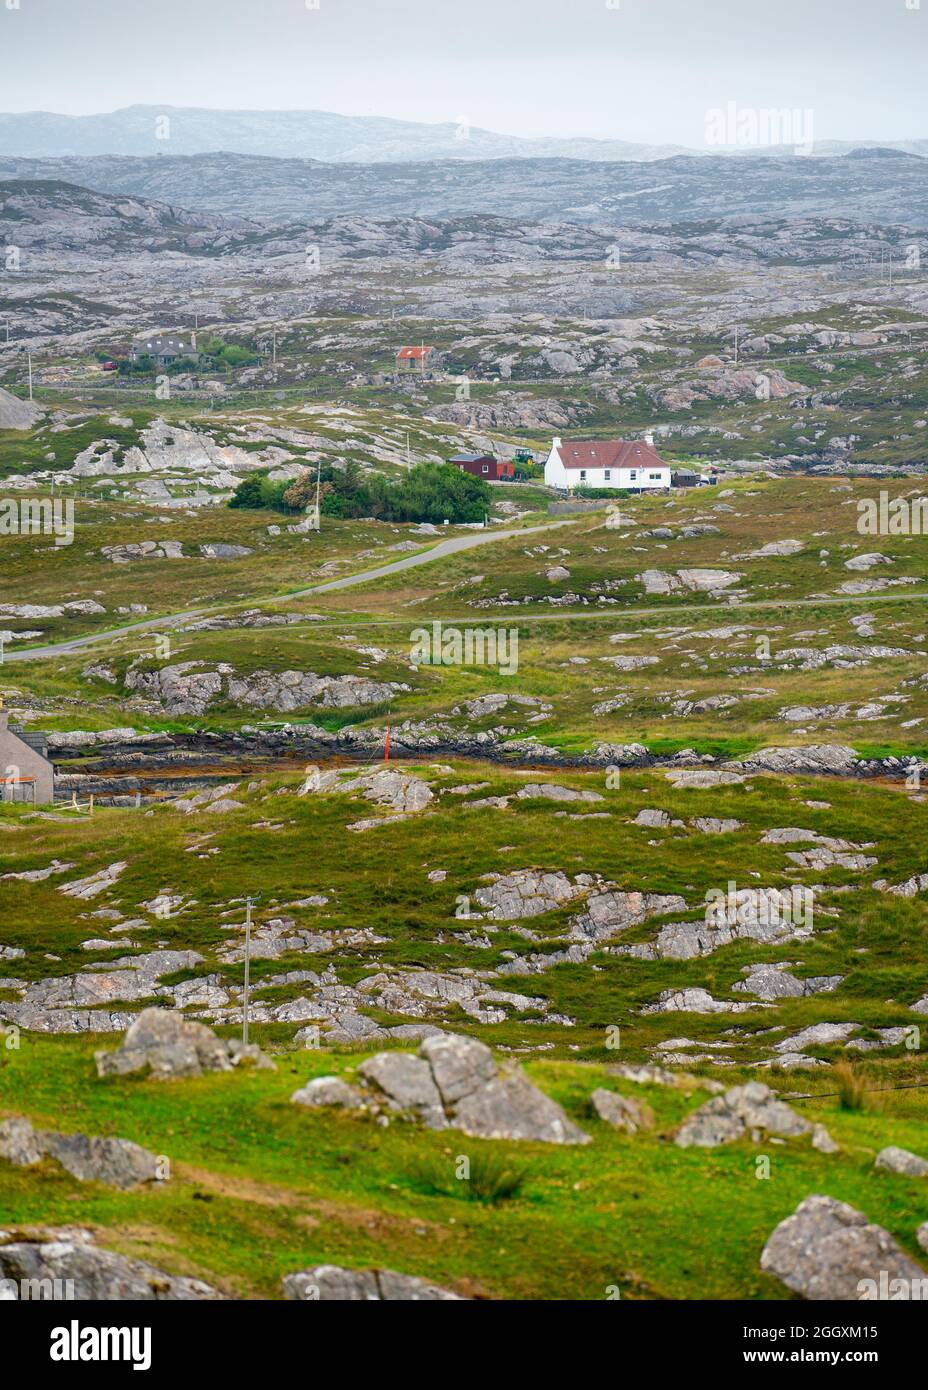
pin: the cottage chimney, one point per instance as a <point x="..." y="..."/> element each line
<point x="4" y="720"/>
<point x="556" y="442"/>
<point x="649" y="437"/>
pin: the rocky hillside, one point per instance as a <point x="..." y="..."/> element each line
<point x="871" y="187"/>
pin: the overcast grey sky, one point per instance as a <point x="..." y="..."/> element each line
<point x="626" y="69"/>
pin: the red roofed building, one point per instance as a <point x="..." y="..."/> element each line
<point x="633" y="465"/>
<point x="416" y="359"/>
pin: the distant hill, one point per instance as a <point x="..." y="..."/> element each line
<point x="871" y="187"/>
<point x="321" y="135"/>
<point x="54" y="214"/>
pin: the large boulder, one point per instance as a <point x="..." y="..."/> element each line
<point x="406" y="1081"/>
<point x="893" y="1160"/>
<point x="460" y="1065"/>
<point x="622" y="1112"/>
<point x="453" y="1082"/>
<point x="19" y="1143"/>
<point x="741" y="1110"/>
<point x="328" y="1090"/>
<point x="334" y="1283"/>
<point x="828" y="1250"/>
<point x="117" y="1162"/>
<point x="64" y="1263"/>
<point x="167" y="1044"/>
<point x="510" y="1107"/>
<point x="398" y="791"/>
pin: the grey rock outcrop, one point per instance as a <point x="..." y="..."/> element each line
<point x="550" y="791"/>
<point x="738" y="1112"/>
<point x="191" y="687"/>
<point x="67" y="1258"/>
<point x="894" y="1160"/>
<point x="334" y="1283"/>
<point x="168" y="1045"/>
<point x="16" y="414"/>
<point x="622" y="1112"/>
<point x="817" y="758"/>
<point x="454" y="1082"/>
<point x="827" y="1249"/>
<point x="328" y="1090"/>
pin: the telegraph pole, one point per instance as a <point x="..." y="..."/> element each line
<point x="29" y="359"/>
<point x="249" y="904"/>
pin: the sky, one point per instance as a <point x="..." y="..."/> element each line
<point x="643" y="70"/>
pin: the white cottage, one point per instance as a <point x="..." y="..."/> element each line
<point x="632" y="464"/>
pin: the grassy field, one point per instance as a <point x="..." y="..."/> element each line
<point x="260" y="1187"/>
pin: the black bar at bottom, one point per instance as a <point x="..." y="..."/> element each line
<point x="160" y="1339"/>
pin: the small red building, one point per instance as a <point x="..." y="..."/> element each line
<point x="484" y="466"/>
<point x="416" y="359"/>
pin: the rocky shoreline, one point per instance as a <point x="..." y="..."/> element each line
<point x="124" y="761"/>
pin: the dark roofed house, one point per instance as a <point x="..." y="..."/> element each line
<point x="484" y="466"/>
<point x="165" y="348"/>
<point x="25" y="771"/>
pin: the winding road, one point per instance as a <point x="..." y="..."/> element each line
<point x="423" y="557"/>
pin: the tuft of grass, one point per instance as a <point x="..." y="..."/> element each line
<point x="479" y="1177"/>
<point x="852" y="1088"/>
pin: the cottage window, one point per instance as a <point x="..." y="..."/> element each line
<point x="486" y="468"/>
<point x="655" y="477"/>
<point x="633" y="474"/>
<point x="583" y="475"/>
<point x="607" y="475"/>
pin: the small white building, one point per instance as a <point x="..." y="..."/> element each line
<point x="631" y="464"/>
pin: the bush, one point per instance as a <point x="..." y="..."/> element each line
<point x="582" y="493"/>
<point x="258" y="493"/>
<point x="433" y="492"/>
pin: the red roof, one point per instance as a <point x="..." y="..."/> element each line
<point x="407" y="352"/>
<point x="609" y="453"/>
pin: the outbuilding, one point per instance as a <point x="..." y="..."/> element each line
<point x="26" y="774"/>
<point x="485" y="466"/>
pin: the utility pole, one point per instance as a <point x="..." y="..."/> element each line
<point x="736" y="347"/>
<point x="318" y="512"/>
<point x="407" y="447"/>
<point x="274" y="345"/>
<point x="249" y="904"/>
<point x="29" y="360"/>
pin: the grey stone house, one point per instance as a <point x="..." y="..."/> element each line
<point x="165" y="348"/>
<point x="26" y="775"/>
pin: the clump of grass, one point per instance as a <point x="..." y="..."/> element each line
<point x="478" y="1177"/>
<point x="852" y="1087"/>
